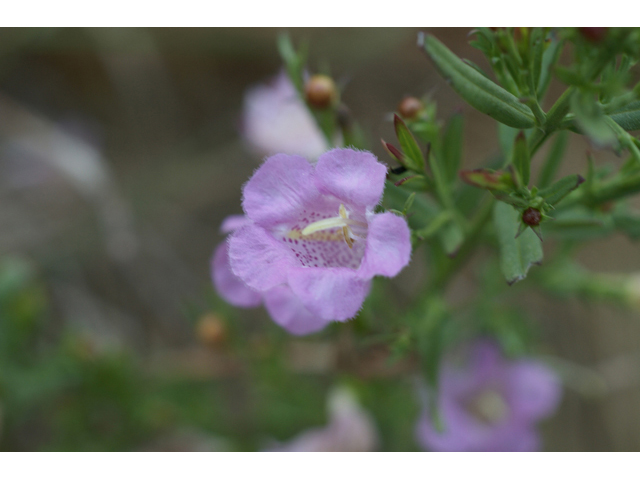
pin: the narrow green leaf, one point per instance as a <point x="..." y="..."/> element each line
<point x="591" y="120"/>
<point x="628" y="117"/>
<point x="538" y="47"/>
<point x="476" y="89"/>
<point x="424" y="208"/>
<point x="293" y="61"/>
<point x="516" y="254"/>
<point x="412" y="154"/>
<point x="570" y="76"/>
<point x="553" y="160"/>
<point x="476" y="68"/>
<point x="563" y="187"/>
<point x="452" y="146"/>
<point x="579" y="223"/>
<point x="549" y="59"/>
<point x="434" y="226"/>
<point x="628" y="223"/>
<point x="521" y="159"/>
<point x="617" y="187"/>
<point x="409" y="203"/>
<point x="451" y="237"/>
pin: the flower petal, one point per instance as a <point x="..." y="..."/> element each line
<point x="461" y="434"/>
<point x="354" y="177"/>
<point x="230" y="287"/>
<point x="233" y="223"/>
<point x="258" y="259"/>
<point x="287" y="311"/>
<point x="388" y="246"/>
<point x="534" y="391"/>
<point x="331" y="293"/>
<point x="275" y="120"/>
<point x="278" y="190"/>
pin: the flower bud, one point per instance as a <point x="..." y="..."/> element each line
<point x="211" y="330"/>
<point x="320" y="91"/>
<point x="531" y="217"/>
<point x="593" y="34"/>
<point x="409" y="107"/>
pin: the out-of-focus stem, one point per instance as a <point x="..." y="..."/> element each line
<point x="441" y="279"/>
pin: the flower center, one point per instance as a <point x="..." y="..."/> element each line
<point x="317" y="230"/>
<point x="488" y="406"/>
<point x="320" y="238"/>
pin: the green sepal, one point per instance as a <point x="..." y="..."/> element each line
<point x="516" y="254"/>
<point x="479" y="91"/>
<point x="513" y="200"/>
<point x="412" y="154"/>
<point x="560" y="189"/>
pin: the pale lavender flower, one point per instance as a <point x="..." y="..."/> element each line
<point x="283" y="306"/>
<point x="275" y="120"/>
<point x="350" y="429"/>
<point x="489" y="403"/>
<point x="313" y="229"/>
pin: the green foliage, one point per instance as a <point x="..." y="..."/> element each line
<point x="480" y="92"/>
<point x="412" y="156"/>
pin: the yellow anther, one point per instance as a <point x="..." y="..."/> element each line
<point x="347" y="236"/>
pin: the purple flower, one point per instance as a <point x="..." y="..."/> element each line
<point x="350" y="429"/>
<point x="275" y="120"/>
<point x="489" y="403"/>
<point x="283" y="306"/>
<point x="314" y="230"/>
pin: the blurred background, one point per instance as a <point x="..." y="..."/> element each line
<point x="121" y="154"/>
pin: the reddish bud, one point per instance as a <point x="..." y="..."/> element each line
<point x="593" y="34"/>
<point x="483" y="178"/>
<point x="393" y="151"/>
<point x="320" y="91"/>
<point x="409" y="107"/>
<point x="607" y="207"/>
<point x="531" y="217"/>
<point x="520" y="34"/>
<point x="211" y="330"/>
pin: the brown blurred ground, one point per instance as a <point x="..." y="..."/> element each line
<point x="125" y="246"/>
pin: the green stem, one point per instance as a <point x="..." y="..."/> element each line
<point x="554" y="118"/>
<point x="442" y="278"/>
